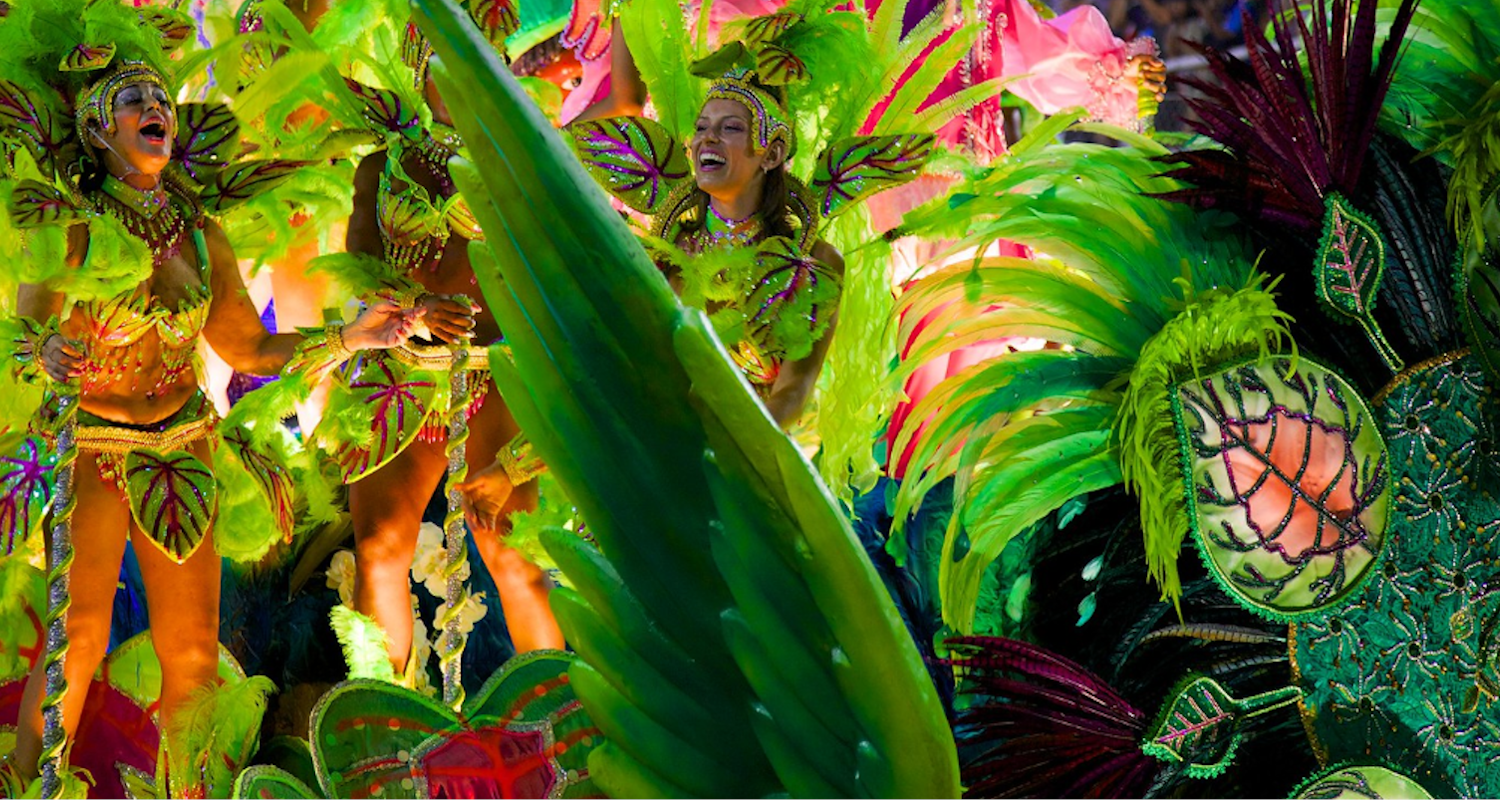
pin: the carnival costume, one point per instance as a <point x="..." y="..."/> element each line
<point x="731" y="637"/>
<point x="1299" y="391"/>
<point x="382" y="402"/>
<point x="172" y="494"/>
<point x="855" y="122"/>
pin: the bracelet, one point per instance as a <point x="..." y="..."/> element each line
<point x="404" y="297"/>
<point x="520" y="464"/>
<point x="27" y="348"/>
<point x="321" y="350"/>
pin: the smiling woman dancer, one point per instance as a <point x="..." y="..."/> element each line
<point x="118" y="236"/>
<point x="740" y="196"/>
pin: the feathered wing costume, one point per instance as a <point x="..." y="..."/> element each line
<point x="1299" y="390"/>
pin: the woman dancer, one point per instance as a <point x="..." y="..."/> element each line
<point x="408" y="234"/>
<point x="150" y="275"/>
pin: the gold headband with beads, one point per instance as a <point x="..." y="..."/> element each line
<point x="96" y="103"/>
<point x="771" y="123"/>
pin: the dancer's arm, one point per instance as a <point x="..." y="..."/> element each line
<point x="235" y="331"/>
<point x="627" y="92"/>
<point x="794" y="383"/>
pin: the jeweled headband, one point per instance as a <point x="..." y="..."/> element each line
<point x="771" y="123"/>
<point x="96" y="103"/>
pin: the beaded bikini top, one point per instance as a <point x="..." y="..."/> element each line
<point x="113" y="329"/>
<point x="414" y="224"/>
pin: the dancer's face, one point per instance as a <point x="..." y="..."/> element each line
<point x="724" y="159"/>
<point x="145" y="125"/>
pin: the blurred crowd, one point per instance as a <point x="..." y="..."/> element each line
<point x="1177" y="24"/>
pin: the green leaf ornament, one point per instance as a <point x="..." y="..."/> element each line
<point x="1349" y="267"/>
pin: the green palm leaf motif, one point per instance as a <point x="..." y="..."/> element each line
<point x="270" y="475"/>
<point x="41" y="130"/>
<point x="208" y="134"/>
<point x="635" y="158"/>
<point x="400" y="399"/>
<point x="172" y="498"/>
<point x="174" y="26"/>
<point x="855" y="168"/>
<point x="1348" y="270"/>
<point x="26" y="478"/>
<point x="767" y="28"/>
<point x="1289" y="485"/>
<point x="84" y="57"/>
<point x="246" y="180"/>
<point x="1201" y="726"/>
<point x="34" y="205"/>
<point x="385" y="109"/>
<point x="772" y="660"/>
<point x="777" y="66"/>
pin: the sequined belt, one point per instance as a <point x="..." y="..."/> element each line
<point x="438" y="357"/>
<point x="194" y="421"/>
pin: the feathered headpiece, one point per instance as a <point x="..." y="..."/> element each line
<point x="70" y="58"/>
<point x="771" y="120"/>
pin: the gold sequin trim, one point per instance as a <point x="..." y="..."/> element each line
<point x="1308" y="715"/>
<point x="438" y="357"/>
<point x="1407" y="374"/>
<point x="121" y="441"/>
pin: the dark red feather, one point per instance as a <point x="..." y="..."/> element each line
<point x="1294" y="132"/>
<point x="1044" y="726"/>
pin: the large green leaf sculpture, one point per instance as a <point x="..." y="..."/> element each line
<point x="734" y="639"/>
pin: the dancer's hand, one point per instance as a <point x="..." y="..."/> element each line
<point x="485" y="495"/>
<point x="62" y="358"/>
<point x="1150" y="74"/>
<point x="383" y="324"/>
<point x="448" y="318"/>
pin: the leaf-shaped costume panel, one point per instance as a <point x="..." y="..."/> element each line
<point x="1288" y="483"/>
<point x="27" y="480"/>
<point x="792" y="300"/>
<point x="246" y="180"/>
<point x="1200" y="726"/>
<point x="389" y="401"/>
<point x="271" y="477"/>
<point x="172" y="498"/>
<point x="853" y="169"/>
<point x="34" y="204"/>
<point x="633" y="158"/>
<point x="1349" y="269"/>
<point x="208" y="135"/>
<point x="33" y="121"/>
<point x="523" y="734"/>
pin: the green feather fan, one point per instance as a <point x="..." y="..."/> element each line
<point x="1116" y="276"/>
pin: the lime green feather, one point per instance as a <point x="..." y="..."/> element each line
<point x="215" y="733"/>
<point x="1216" y="326"/>
<point x="365" y="644"/>
<point x="856" y="395"/>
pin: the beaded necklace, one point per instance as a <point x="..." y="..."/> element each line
<point x="149" y="215"/>
<point x="152" y="217"/>
<point x="435" y="149"/>
<point x="719" y="231"/>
